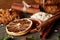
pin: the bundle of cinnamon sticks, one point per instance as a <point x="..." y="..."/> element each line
<point x="31" y="10"/>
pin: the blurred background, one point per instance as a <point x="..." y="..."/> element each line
<point x="7" y="3"/>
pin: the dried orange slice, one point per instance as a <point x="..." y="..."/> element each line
<point x="19" y="27"/>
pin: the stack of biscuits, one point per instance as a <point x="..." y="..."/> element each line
<point x="50" y="6"/>
<point x="7" y="15"/>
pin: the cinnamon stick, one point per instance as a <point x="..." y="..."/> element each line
<point x="46" y="32"/>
